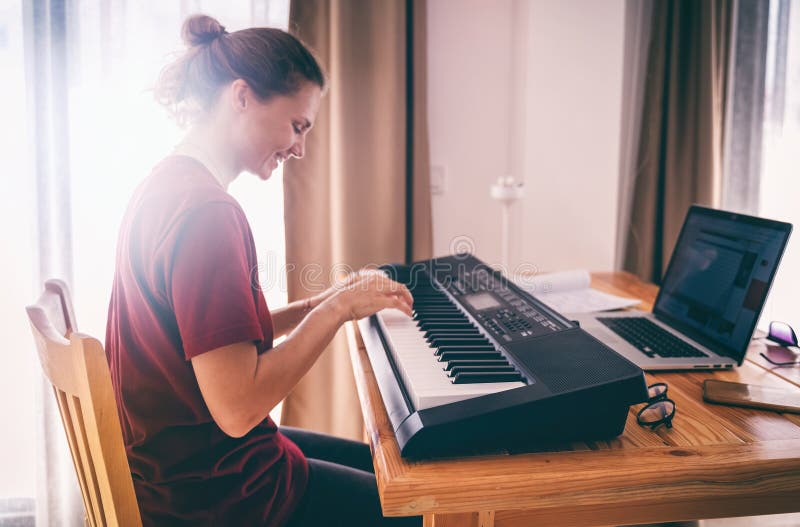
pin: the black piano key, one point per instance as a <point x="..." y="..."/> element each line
<point x="440" y="339"/>
<point x="444" y="328"/>
<point x="433" y="300"/>
<point x="469" y="355"/>
<point x="469" y="333"/>
<point x="480" y="369"/>
<point x="422" y="308"/>
<point x="447" y="325"/>
<point x="451" y="329"/>
<point x="442" y="322"/>
<point x="446" y="349"/>
<point x="443" y="341"/>
<point x="453" y="339"/>
<point x="472" y="333"/>
<point x="455" y="324"/>
<point x="450" y="319"/>
<point x="472" y="378"/>
<point x="446" y="341"/>
<point x="439" y="316"/>
<point x="480" y="363"/>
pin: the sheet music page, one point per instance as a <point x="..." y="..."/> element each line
<point x="569" y="292"/>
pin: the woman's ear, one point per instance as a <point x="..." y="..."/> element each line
<point x="240" y="95"/>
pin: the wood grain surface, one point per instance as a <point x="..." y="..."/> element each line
<point x="716" y="461"/>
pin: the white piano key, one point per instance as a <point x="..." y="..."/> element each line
<point x="422" y="374"/>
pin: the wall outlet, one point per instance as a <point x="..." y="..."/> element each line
<point x="437" y="180"/>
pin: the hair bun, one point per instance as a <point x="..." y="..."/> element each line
<point x="199" y="30"/>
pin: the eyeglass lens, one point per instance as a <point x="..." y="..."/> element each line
<point x="782" y="333"/>
<point x="656" y="413"/>
<point x="659" y="410"/>
<point x="657" y="391"/>
<point x="781" y="356"/>
<point x="787" y="353"/>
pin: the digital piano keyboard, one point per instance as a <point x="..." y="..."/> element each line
<point x="485" y="367"/>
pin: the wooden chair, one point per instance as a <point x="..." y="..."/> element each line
<point x="76" y="366"/>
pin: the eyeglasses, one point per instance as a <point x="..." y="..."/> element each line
<point x="659" y="410"/>
<point x="787" y="353"/>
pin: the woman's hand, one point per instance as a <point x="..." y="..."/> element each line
<point x="347" y="281"/>
<point x="285" y="319"/>
<point x="369" y="291"/>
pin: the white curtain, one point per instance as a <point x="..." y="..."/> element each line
<point x="780" y="185"/>
<point x="763" y="133"/>
<point x="89" y="131"/>
<point x="58" y="500"/>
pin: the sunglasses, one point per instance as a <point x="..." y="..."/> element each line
<point x="787" y="353"/>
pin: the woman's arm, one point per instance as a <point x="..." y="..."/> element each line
<point x="240" y="387"/>
<point x="286" y="318"/>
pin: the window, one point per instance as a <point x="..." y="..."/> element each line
<point x="779" y="195"/>
<point x="118" y="132"/>
<point x="18" y="365"/>
<point x="763" y="134"/>
<point x="115" y="133"/>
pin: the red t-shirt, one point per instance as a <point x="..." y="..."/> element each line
<point x="186" y="283"/>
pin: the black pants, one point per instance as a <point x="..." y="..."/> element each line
<point x="341" y="484"/>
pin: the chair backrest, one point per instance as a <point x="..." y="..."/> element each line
<point x="76" y="366"/>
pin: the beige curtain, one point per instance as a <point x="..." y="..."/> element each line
<point x="679" y="158"/>
<point x="360" y="197"/>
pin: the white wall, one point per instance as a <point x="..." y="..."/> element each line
<point x="468" y="82"/>
<point x="532" y="89"/>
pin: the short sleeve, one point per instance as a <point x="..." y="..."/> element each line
<point x="210" y="280"/>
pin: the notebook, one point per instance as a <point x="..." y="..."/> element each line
<point x="711" y="296"/>
<point x="571" y="292"/>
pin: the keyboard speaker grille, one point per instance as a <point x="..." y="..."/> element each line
<point x="573" y="360"/>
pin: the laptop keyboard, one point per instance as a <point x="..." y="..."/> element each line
<point x="649" y="338"/>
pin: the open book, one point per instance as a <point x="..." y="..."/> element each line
<point x="569" y="292"/>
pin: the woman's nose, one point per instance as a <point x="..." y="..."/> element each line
<point x="298" y="149"/>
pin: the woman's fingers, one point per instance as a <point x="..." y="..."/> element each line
<point x="398" y="288"/>
<point x="402" y="294"/>
<point x="407" y="295"/>
<point x="397" y="302"/>
<point x="373" y="290"/>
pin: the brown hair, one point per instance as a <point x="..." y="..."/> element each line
<point x="271" y="61"/>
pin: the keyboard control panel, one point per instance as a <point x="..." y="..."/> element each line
<point x="509" y="316"/>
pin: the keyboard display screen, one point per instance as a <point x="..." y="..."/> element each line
<point x="481" y="301"/>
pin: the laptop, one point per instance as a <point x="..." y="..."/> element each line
<point x="710" y="299"/>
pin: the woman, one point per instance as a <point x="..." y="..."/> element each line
<point x="189" y="337"/>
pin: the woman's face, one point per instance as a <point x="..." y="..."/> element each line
<point x="272" y="131"/>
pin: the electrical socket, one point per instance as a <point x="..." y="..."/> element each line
<point x="438" y="180"/>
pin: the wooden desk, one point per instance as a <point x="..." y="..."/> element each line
<point x="717" y="461"/>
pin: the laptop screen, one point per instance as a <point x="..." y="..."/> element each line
<point x="719" y="275"/>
